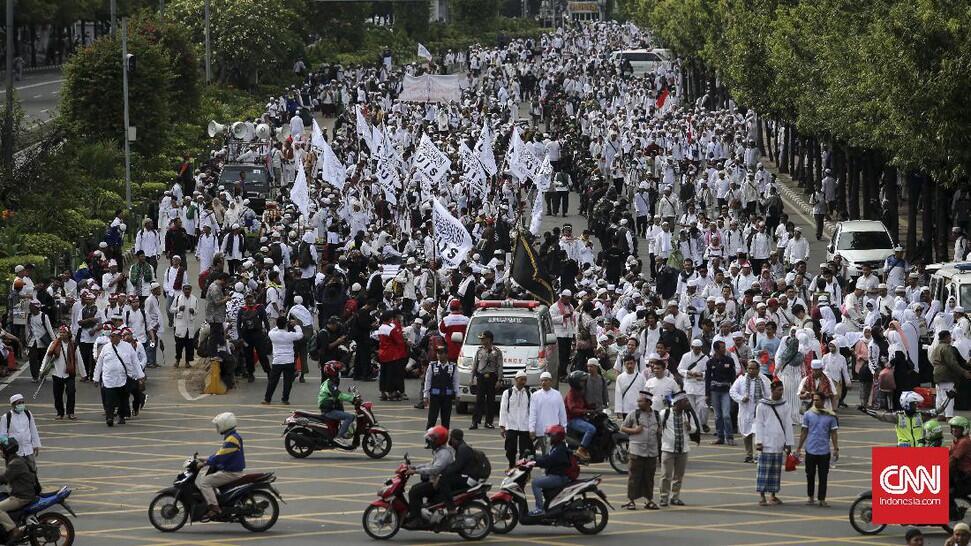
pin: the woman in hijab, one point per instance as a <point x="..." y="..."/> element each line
<point x="788" y="368"/>
<point x="943" y="320"/>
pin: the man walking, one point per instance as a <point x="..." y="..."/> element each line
<point x="546" y="408"/>
<point x="514" y="419"/>
<point x="641" y="426"/>
<point x="565" y="328"/>
<point x="676" y="425"/>
<point x="486" y="373"/>
<point x="441" y="384"/>
<point x="719" y="376"/>
<point x="819" y="426"/>
<point x="773" y="439"/>
<point x="747" y="391"/>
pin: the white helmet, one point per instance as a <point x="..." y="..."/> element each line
<point x="224" y="422"/>
<point x="910" y="397"/>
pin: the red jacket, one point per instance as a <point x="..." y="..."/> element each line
<point x="391" y="343"/>
<point x="450" y="324"/>
<point x="576" y="404"/>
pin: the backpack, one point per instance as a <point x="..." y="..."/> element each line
<point x="573" y="470"/>
<point x="480" y="467"/>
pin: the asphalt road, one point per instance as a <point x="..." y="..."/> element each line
<point x="115" y="472"/>
<point x="38" y="95"/>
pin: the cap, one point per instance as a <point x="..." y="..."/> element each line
<point x="522" y="373"/>
<point x="545" y="375"/>
<point x="817" y="364"/>
<point x="16" y="398"/>
<point x="566" y="294"/>
<point x="669" y="320"/>
<point x="696" y="343"/>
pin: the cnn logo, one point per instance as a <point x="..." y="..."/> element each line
<point x="903" y="480"/>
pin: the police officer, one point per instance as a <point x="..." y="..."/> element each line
<point x="441" y="384"/>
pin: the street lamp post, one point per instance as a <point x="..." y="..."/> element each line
<point x="208" y="51"/>
<point x="8" y="143"/>
<point x="124" y="89"/>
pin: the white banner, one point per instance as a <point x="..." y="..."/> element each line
<point x="364" y="129"/>
<point x="430" y="162"/>
<point x="299" y="193"/>
<point x="513" y="154"/>
<point x="483" y="148"/>
<point x="472" y="172"/>
<point x="452" y="241"/>
<point x="433" y="88"/>
<point x="537" y="217"/>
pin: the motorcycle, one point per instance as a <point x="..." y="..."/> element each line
<point x="570" y="506"/>
<point x="250" y="500"/>
<point x="609" y="443"/>
<point x="861" y="515"/>
<point x="306" y="432"/>
<point x="48" y="527"/>
<point x="383" y="518"/>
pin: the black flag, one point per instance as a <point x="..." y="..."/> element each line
<point x="528" y="272"/>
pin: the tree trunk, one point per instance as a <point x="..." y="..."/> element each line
<point x="786" y="151"/>
<point x="839" y="172"/>
<point x="810" y="171"/>
<point x="913" y="195"/>
<point x="853" y="183"/>
<point x="759" y="136"/>
<point x="941" y="223"/>
<point x="890" y="175"/>
<point x="927" y="218"/>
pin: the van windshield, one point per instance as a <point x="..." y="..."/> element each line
<point x="864" y="240"/>
<point x="507" y="331"/>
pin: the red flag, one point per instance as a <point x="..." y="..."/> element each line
<point x="661" y="98"/>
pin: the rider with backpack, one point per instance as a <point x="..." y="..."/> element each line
<point x="469" y="467"/>
<point x="23" y="484"/>
<point x="562" y="467"/>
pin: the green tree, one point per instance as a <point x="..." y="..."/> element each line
<point x="479" y="14"/>
<point x="249" y="38"/>
<point x="91" y="99"/>
<point x="176" y="42"/>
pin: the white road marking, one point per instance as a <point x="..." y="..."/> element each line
<point x="33" y="85"/>
<point x="38" y="96"/>
<point x="16" y="374"/>
<point x="185" y="393"/>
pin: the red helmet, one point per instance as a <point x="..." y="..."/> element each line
<point x="332" y="368"/>
<point x="556" y="433"/>
<point x="436" y="437"/>
<point x="455" y="305"/>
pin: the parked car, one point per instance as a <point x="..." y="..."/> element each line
<point x="859" y="243"/>
<point x="257" y="187"/>
<point x="643" y="61"/>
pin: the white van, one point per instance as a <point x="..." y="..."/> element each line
<point x="522" y="330"/>
<point x="643" y="61"/>
<point x="951" y="279"/>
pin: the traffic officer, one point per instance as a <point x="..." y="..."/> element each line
<point x="441" y="384"/>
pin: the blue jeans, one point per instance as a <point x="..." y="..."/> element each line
<point x="345" y="418"/>
<point x="722" y="403"/>
<point x="549" y="481"/>
<point x="584" y="427"/>
<point x="149" y="353"/>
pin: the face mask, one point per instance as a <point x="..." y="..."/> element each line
<point x="19" y="408"/>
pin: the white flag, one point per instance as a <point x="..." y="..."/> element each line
<point x="317" y="139"/>
<point x="333" y="171"/>
<point x="452" y="241"/>
<point x="483" y="148"/>
<point x="364" y="129"/>
<point x="537" y="219"/>
<point x="513" y="154"/>
<point x="424" y="53"/>
<point x="430" y="161"/>
<point x="472" y="172"/>
<point x="543" y="176"/>
<point x="299" y="193"/>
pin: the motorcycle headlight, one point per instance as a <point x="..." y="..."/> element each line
<point x="466" y="363"/>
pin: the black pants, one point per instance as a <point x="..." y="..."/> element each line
<point x="641" y="224"/>
<point x="254" y="342"/>
<point x="439" y="405"/>
<point x="817" y="463"/>
<point x="563" y="346"/>
<point x="234" y="266"/>
<point x="137" y="396"/>
<point x="485" y="398"/>
<point x="551" y="202"/>
<point x="87" y="357"/>
<point x="187" y="344"/>
<point x="276" y="370"/>
<point x="217" y="337"/>
<point x="416" y="497"/>
<point x="563" y="202"/>
<point x="62" y="386"/>
<point x="115" y="401"/>
<point x="362" y="359"/>
<point x="36" y="355"/>
<point x="391" y="376"/>
<point x="517" y="445"/>
<point x="819" y="225"/>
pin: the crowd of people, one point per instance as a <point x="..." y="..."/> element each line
<point x="686" y="304"/>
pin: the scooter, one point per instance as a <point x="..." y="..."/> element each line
<point x="609" y="443"/>
<point x="251" y="501"/>
<point x="48" y="527"/>
<point x="861" y="515"/>
<point x="383" y="518"/>
<point x="306" y="432"/>
<point x="572" y="506"/>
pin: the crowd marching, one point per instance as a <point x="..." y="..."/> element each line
<point x="684" y="306"/>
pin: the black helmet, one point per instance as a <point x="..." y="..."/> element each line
<point x="10" y="447"/>
<point x="577" y="379"/>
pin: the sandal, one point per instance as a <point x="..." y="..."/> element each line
<point x="810" y="502"/>
<point x="629" y="506"/>
<point x="823" y="504"/>
<point x="677" y="502"/>
<point x="651" y="505"/>
<point x="763" y="502"/>
<point x="776" y="500"/>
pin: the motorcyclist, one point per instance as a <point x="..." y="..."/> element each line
<point x="577" y="412"/>
<point x="225" y="465"/>
<point x="934" y="433"/>
<point x="436" y="439"/>
<point x="457" y="475"/>
<point x="960" y="458"/>
<point x="330" y="399"/>
<point x="22" y="482"/>
<point x="556" y="463"/>
<point x="909" y="422"/>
